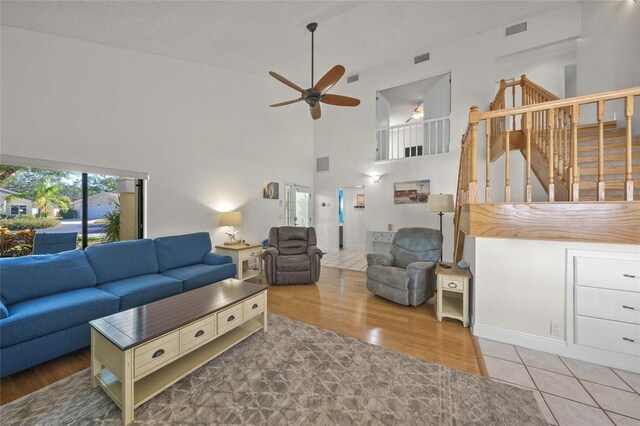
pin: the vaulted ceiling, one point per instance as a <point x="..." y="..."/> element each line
<point x="259" y="36"/>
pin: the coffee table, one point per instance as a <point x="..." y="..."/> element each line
<point x="138" y="353"/>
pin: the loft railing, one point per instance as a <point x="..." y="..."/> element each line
<point x="424" y="137"/>
<point x="546" y="128"/>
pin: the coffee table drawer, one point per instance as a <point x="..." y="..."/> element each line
<point x="152" y="355"/>
<point x="253" y="306"/>
<point x="198" y="333"/>
<point x="229" y="318"/>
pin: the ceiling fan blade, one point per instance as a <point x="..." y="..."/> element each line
<point x="286" y="102"/>
<point x="329" y="79"/>
<point x="315" y="111"/>
<point x="285" y="81"/>
<point x="340" y="100"/>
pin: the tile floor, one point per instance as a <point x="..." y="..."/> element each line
<point x="352" y="259"/>
<point x="569" y="392"/>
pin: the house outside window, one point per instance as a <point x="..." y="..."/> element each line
<point x="18" y="209"/>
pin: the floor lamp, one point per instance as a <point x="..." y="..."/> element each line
<point x="440" y="203"/>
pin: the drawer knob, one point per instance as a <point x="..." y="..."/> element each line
<point x="628" y="340"/>
<point x="629" y="307"/>
<point x="158" y="353"/>
<point x="253" y="254"/>
<point x="630" y="276"/>
<point x="255" y="306"/>
<point x="199" y="333"/>
<point x="231" y="318"/>
<point x="452" y="285"/>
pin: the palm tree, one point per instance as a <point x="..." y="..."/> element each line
<point x="43" y="195"/>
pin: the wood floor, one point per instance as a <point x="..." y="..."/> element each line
<point x="339" y="302"/>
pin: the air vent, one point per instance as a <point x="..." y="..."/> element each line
<point x="515" y="29"/>
<point x="352" y="78"/>
<point x="421" y="58"/>
<point x="322" y="164"/>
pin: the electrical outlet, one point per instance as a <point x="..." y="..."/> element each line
<point x="554" y="328"/>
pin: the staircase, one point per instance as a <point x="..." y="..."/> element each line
<point x="586" y="169"/>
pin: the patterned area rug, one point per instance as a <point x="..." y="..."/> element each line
<point x="300" y="375"/>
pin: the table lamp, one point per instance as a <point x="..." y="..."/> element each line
<point x="231" y="219"/>
<point x="440" y="203"/>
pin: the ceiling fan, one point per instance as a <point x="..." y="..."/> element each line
<point x="318" y="92"/>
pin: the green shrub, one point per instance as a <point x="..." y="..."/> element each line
<point x="28" y="222"/>
<point x="68" y="214"/>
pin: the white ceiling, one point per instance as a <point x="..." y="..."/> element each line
<point x="259" y="36"/>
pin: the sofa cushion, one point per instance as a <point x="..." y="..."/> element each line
<point x="144" y="289"/>
<point x="389" y="275"/>
<point x="44" y="315"/>
<point x="30" y="277"/>
<point x="182" y="250"/>
<point x="123" y="259"/>
<point x="299" y="262"/>
<point x="195" y="276"/>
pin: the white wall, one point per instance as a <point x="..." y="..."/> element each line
<point x="204" y="134"/>
<point x="347" y="135"/>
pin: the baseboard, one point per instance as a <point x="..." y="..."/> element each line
<point x="558" y="347"/>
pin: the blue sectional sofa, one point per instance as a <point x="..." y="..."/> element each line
<point x="47" y="301"/>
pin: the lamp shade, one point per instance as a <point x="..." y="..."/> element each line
<point x="440" y="203"/>
<point x="231" y="219"/>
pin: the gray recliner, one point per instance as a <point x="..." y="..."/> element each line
<point x="292" y="256"/>
<point x="407" y="274"/>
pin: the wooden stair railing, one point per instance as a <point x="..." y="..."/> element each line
<point x="547" y="131"/>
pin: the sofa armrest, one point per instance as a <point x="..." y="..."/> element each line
<point x="422" y="281"/>
<point x="4" y="312"/>
<point x="382" y="259"/>
<point x="216" y="259"/>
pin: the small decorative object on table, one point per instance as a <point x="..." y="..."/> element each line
<point x="453" y="292"/>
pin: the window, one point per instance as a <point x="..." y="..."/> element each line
<point x="413" y="119"/>
<point x="18" y="209"/>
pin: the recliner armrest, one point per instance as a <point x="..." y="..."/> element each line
<point x="420" y="266"/>
<point x="271" y="251"/>
<point x="382" y="259"/>
<point x="313" y="250"/>
<point x="216" y="259"/>
<point x="422" y="281"/>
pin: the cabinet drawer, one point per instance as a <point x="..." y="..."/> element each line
<point x="452" y="284"/>
<point x="250" y="254"/>
<point x="614" y="274"/>
<point x="152" y="355"/>
<point x="608" y="304"/>
<point x="608" y="335"/>
<point x="253" y="306"/>
<point x="197" y="333"/>
<point x="229" y="318"/>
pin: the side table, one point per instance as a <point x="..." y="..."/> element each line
<point x="453" y="293"/>
<point x="242" y="255"/>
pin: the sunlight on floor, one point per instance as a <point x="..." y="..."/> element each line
<point x="352" y="259"/>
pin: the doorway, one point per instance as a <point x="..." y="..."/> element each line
<point x="297" y="205"/>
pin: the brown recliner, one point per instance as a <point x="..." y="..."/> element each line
<point x="292" y="256"/>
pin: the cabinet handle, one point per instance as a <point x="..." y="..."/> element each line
<point x="628" y="340"/>
<point x="231" y="318"/>
<point x="630" y="276"/>
<point x="158" y="353"/>
<point x="629" y="307"/>
<point x="255" y="306"/>
<point x="199" y="333"/>
<point x="452" y="285"/>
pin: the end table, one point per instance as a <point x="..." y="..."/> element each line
<point x="453" y="293"/>
<point x="242" y="254"/>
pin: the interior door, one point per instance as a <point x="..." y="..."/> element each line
<point x="298" y="206"/>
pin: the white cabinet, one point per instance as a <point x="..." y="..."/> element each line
<point x="603" y="305"/>
<point x="379" y="241"/>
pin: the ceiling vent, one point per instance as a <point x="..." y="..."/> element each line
<point x="421" y="58"/>
<point x="322" y="164"/>
<point x="352" y="78"/>
<point x="515" y="29"/>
